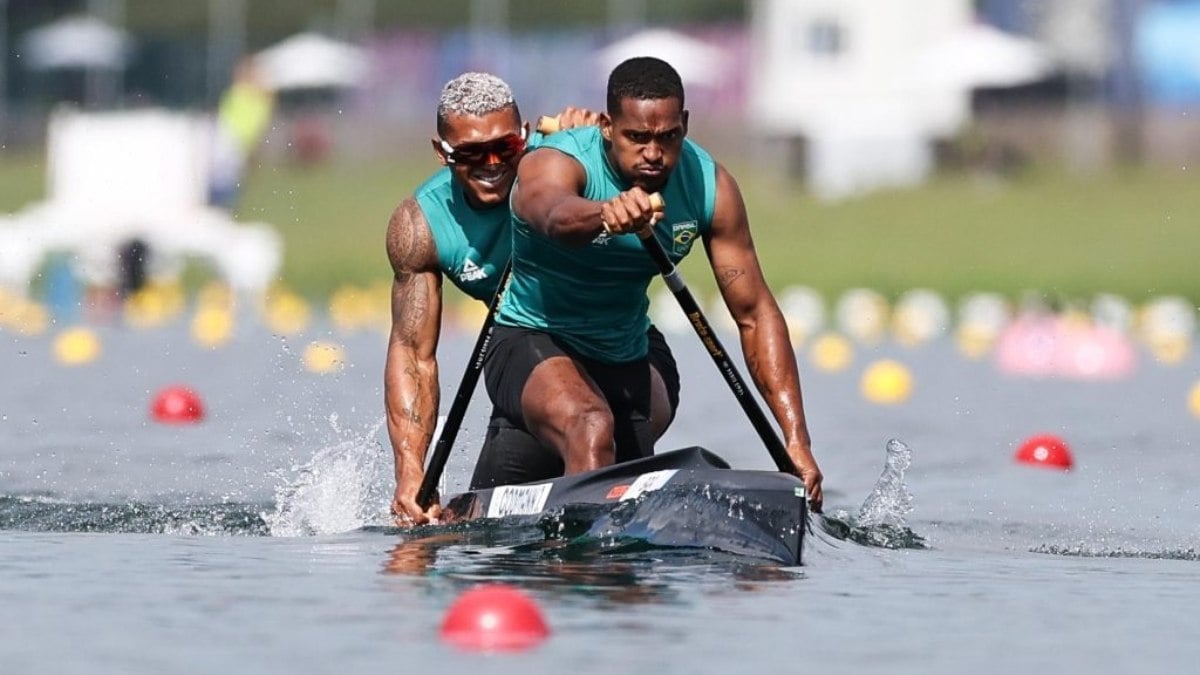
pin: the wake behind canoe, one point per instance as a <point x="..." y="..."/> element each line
<point x="683" y="498"/>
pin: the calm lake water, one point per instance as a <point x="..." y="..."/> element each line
<point x="252" y="541"/>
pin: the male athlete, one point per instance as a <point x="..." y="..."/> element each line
<point x="569" y="355"/>
<point x="457" y="224"/>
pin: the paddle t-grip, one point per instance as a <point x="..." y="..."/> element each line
<point x="548" y="125"/>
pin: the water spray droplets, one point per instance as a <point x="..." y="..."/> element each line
<point x="890" y="501"/>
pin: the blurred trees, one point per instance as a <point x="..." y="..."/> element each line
<point x="270" y="20"/>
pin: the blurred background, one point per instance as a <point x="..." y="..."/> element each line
<point x="1036" y="152"/>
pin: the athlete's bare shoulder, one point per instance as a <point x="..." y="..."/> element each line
<point x="410" y="246"/>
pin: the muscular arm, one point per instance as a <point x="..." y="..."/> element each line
<point x="547" y="197"/>
<point x="761" y="326"/>
<point x="411" y="394"/>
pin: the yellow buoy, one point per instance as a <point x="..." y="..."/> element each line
<point x="148" y="307"/>
<point x="887" y="382"/>
<point x="1169" y="348"/>
<point x="324" y="357"/>
<point x="831" y="352"/>
<point x="1194" y="400"/>
<point x="212" y="326"/>
<point x="974" y="340"/>
<point x="215" y="293"/>
<point x="470" y="315"/>
<point x="349" y="309"/>
<point x="76" y="346"/>
<point x="287" y="313"/>
<point x="29" y="318"/>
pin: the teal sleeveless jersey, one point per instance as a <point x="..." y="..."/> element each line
<point x="593" y="297"/>
<point x="473" y="245"/>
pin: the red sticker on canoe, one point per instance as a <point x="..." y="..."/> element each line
<point x="616" y="492"/>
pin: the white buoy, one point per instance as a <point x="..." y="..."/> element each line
<point x="1112" y="311"/>
<point x="804" y="310"/>
<point x="920" y="315"/>
<point x="862" y="314"/>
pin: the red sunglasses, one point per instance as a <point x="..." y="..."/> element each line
<point x="503" y="149"/>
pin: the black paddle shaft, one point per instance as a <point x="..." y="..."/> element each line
<point x="720" y="356"/>
<point x="462" y="400"/>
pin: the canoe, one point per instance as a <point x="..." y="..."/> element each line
<point x="683" y="498"/>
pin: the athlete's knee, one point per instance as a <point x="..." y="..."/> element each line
<point x="662" y="411"/>
<point x="592" y="424"/>
<point x="586" y="437"/>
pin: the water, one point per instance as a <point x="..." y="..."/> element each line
<point x="257" y="541"/>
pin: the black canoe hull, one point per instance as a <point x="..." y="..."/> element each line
<point x="688" y="497"/>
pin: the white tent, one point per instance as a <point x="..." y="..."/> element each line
<point x="311" y="60"/>
<point x="78" y="41"/>
<point x="696" y="61"/>
<point x="141" y="174"/>
<point x="979" y="55"/>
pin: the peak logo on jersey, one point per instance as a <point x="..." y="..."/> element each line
<point x="682" y="236"/>
<point x="471" y="271"/>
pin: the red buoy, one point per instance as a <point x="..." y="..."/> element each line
<point x="1045" y="450"/>
<point x="177" y="405"/>
<point x="494" y="617"/>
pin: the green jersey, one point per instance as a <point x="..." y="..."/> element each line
<point x="593" y="297"/>
<point x="473" y="245"/>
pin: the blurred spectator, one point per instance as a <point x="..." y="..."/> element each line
<point x="243" y="118"/>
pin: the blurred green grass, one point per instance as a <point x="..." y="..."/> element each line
<point x="1133" y="232"/>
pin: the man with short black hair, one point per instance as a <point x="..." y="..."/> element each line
<point x="569" y="357"/>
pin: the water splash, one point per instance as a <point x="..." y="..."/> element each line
<point x="880" y="521"/>
<point x="344" y="487"/>
<point x="1083" y="551"/>
<point x="890" y="501"/>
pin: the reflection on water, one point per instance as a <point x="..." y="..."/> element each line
<point x="624" y="574"/>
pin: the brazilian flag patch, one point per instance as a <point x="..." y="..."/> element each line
<point x="682" y="236"/>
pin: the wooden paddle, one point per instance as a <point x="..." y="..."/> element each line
<point x="677" y="286"/>
<point x="462" y="399"/>
<point x="548" y="125"/>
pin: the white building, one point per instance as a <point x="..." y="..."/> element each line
<point x="869" y="85"/>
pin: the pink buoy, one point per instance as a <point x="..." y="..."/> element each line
<point x="1044" y="346"/>
<point x="1027" y="347"/>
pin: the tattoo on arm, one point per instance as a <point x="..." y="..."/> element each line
<point x="726" y="276"/>
<point x="411" y="309"/>
<point x="409" y="242"/>
<point x="416" y="289"/>
<point x="411" y="252"/>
